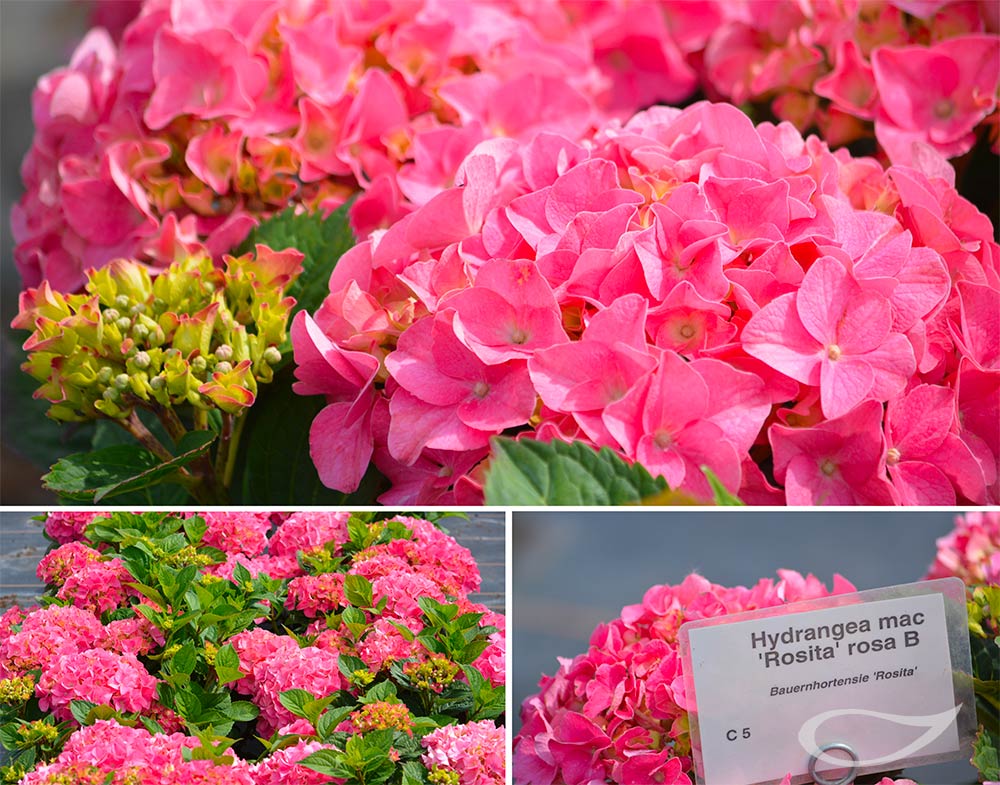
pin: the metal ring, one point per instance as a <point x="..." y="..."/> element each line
<point x="852" y="771"/>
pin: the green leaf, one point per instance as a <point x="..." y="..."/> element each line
<point x="720" y="495"/>
<point x="331" y="719"/>
<point x="296" y="701"/>
<point x="348" y="665"/>
<point x="414" y="774"/>
<point x="985" y="756"/>
<point x="195" y="528"/>
<point x="26" y="429"/>
<point x="529" y="472"/>
<point x="242" y="711"/>
<point x="80" y="710"/>
<point x="383" y="691"/>
<point x="328" y="762"/>
<point x="273" y="463"/>
<point x="321" y="240"/>
<point x="358" y="591"/>
<point x="116" y="470"/>
<point x="184" y="660"/>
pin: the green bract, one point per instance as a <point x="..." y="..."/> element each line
<point x="196" y="334"/>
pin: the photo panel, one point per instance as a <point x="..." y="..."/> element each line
<point x="253" y="646"/>
<point x="731" y="646"/>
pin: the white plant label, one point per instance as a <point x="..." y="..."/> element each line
<point x="874" y="671"/>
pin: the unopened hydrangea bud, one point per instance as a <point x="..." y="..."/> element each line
<point x="199" y="364"/>
<point x="140" y="332"/>
<point x="123" y="323"/>
<point x="173" y="353"/>
<point x="159" y="305"/>
<point x="111" y="394"/>
<point x="142" y="359"/>
<point x="224" y="367"/>
<point x="137" y="309"/>
<point x="224" y="352"/>
<point x="122" y="301"/>
<point x="104" y="375"/>
<point x="121" y="381"/>
<point x="157" y="382"/>
<point x="272" y="355"/>
<point x="110" y="315"/>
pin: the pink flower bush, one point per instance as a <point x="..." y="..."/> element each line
<point x="203" y="118"/>
<point x="687" y="290"/>
<point x="236" y="652"/>
<point x="618" y="712"/>
<point x="918" y="75"/>
<point x="971" y="551"/>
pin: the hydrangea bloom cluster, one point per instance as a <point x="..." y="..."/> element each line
<point x="688" y="290"/>
<point x="474" y="751"/>
<point x="920" y="74"/>
<point x="127" y="667"/>
<point x="206" y="116"/>
<point x="617" y="713"/>
<point x="971" y="551"/>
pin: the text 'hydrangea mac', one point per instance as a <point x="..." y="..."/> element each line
<point x="206" y="116"/>
<point x="688" y="290"/>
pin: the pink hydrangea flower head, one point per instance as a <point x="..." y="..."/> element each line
<point x="308" y="530"/>
<point x="618" y="711"/>
<point x="45" y="634"/>
<point x="475" y="751"/>
<point x="237" y="532"/>
<point x="98" y="676"/>
<point x="969" y="551"/>
<point x="66" y="527"/>
<point x="805" y="286"/>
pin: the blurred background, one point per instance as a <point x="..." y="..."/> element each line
<point x="35" y="37"/>
<point x="572" y="570"/>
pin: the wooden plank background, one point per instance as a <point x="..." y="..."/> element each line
<point x="22" y="545"/>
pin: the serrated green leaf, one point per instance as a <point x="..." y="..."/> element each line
<point x="184" y="660"/>
<point x="358" y="591"/>
<point x="529" y="472"/>
<point x="414" y="774"/>
<point x="383" y="691"/>
<point x="195" y="528"/>
<point x="328" y="762"/>
<point x="242" y="711"/>
<point x="226" y="657"/>
<point x="348" y="665"/>
<point x="80" y="710"/>
<point x="331" y="719"/>
<point x="296" y="700"/>
<point x="116" y="470"/>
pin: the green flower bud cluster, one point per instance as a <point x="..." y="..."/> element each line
<point x="195" y="334"/>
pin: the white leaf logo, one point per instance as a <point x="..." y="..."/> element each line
<point x="935" y="725"/>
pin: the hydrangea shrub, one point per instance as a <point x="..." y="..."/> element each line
<point x="688" y="290"/>
<point x="257" y="648"/>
